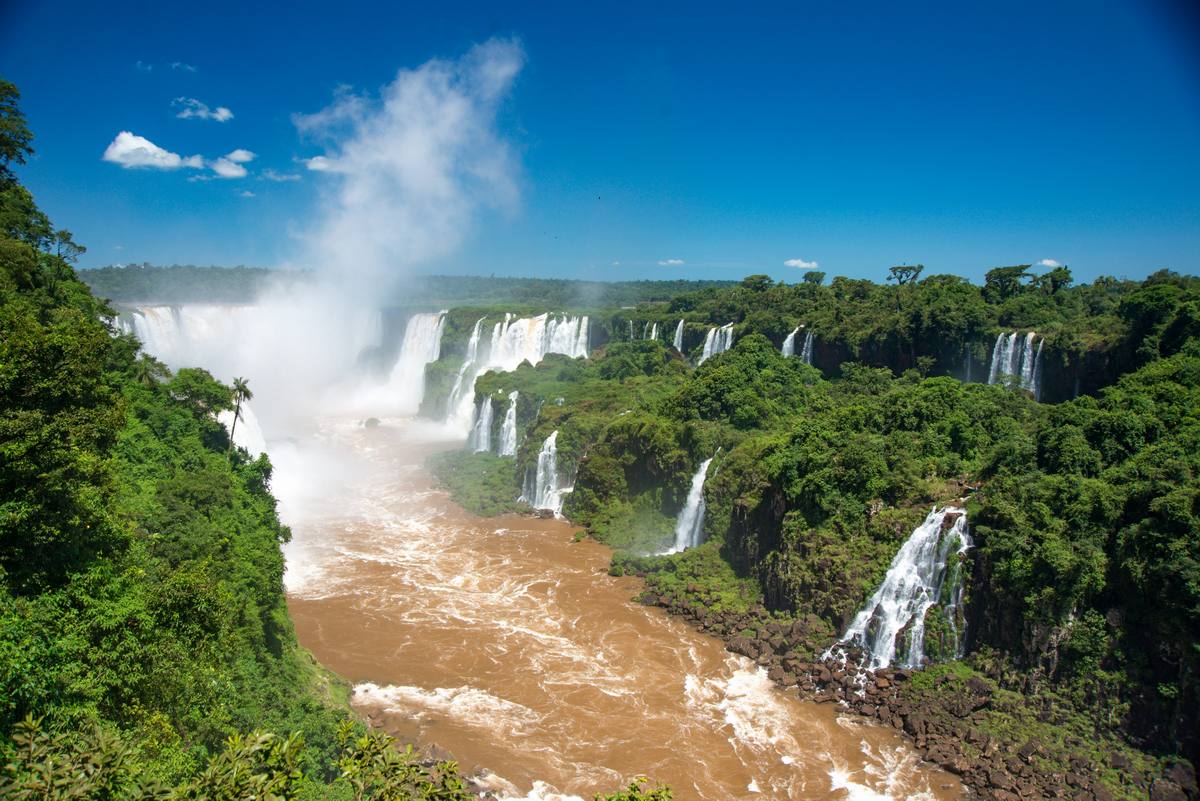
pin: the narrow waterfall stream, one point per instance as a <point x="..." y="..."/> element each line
<point x="689" y="525"/>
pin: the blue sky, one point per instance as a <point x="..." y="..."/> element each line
<point x="731" y="138"/>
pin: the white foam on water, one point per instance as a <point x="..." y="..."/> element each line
<point x="467" y="705"/>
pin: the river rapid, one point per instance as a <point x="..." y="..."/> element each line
<point x="504" y="641"/>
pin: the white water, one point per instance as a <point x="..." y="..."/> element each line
<point x="247" y="433"/>
<point x="927" y="563"/>
<point x="421" y="345"/>
<point x="458" y="404"/>
<point x="513" y="341"/>
<point x="545" y="488"/>
<point x="677" y="340"/>
<point x="806" y="352"/>
<point x="689" y="524"/>
<point x="481" y="432"/>
<point x="1014" y="357"/>
<point x="789" y="344"/>
<point x="717" y="340"/>
<point x="508" y="431"/>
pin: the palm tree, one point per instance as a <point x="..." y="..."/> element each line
<point x="241" y="392"/>
<point x="147" y="370"/>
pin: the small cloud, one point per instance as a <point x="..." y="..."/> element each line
<point x="179" y="65"/>
<point x="246" y="193"/>
<point x="194" y="109"/>
<point x="132" y="151"/>
<point x="318" y="164"/>
<point x="801" y="264"/>
<point x="142" y="66"/>
<point x="279" y="177"/>
<point x="241" y="155"/>
<point x="230" y="165"/>
<point x="118" y="247"/>
<point x="670" y="263"/>
<point x="616" y="264"/>
<point x="1049" y="263"/>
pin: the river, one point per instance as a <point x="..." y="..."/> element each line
<point x="504" y="641"/>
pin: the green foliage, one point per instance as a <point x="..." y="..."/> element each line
<point x="481" y="483"/>
<point x="638" y="791"/>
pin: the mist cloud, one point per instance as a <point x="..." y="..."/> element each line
<point x="408" y="170"/>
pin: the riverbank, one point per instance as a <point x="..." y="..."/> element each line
<point x="1005" y="744"/>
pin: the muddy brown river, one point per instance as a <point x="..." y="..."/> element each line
<point x="505" y="642"/>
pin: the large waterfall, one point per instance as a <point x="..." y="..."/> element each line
<point x="508" y="431"/>
<point x="481" y="430"/>
<point x="806" y="351"/>
<point x="789" y="343"/>
<point x="677" y="340"/>
<point x="247" y="433"/>
<point x="689" y="525"/>
<point x="421" y="345"/>
<point x="544" y="488"/>
<point x="513" y="341"/>
<point x="926" y="571"/>
<point x="717" y="340"/>
<point x="1014" y="357"/>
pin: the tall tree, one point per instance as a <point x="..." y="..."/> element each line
<point x="15" y="135"/>
<point x="241" y="392"/>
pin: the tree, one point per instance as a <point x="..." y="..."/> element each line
<point x="15" y="135"/>
<point x="241" y="392"/>
<point x="905" y="273"/>
<point x="1002" y="283"/>
<point x="814" y="277"/>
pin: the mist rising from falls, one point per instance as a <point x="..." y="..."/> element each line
<point x="717" y="340"/>
<point x="689" y="524"/>
<point x="789" y="343"/>
<point x="677" y="340"/>
<point x="421" y="345"/>
<point x="1015" y="358"/>
<point x="544" y="487"/>
<point x="926" y="571"/>
<point x="508" y="431"/>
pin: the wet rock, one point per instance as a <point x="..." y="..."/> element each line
<point x="1184" y="775"/>
<point x="1164" y="789"/>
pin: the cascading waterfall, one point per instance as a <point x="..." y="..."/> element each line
<point x="1016" y="358"/>
<point x="677" y="340"/>
<point x="481" y="431"/>
<point x="717" y="340"/>
<point x="806" y="352"/>
<point x="422" y="344"/>
<point x="789" y="343"/>
<point x="631" y="330"/>
<point x="247" y="433"/>
<point x="926" y="571"/>
<point x="455" y="401"/>
<point x="689" y="524"/>
<point x="508" y="431"/>
<point x="514" y="341"/>
<point x="544" y="488"/>
<point x="654" y="331"/>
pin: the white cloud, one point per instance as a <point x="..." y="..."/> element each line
<point x="179" y="65"/>
<point x="616" y="264"/>
<point x="670" y="263"/>
<point x="131" y="151"/>
<point x="193" y="109"/>
<point x="318" y="164"/>
<point x="224" y="168"/>
<point x="241" y="155"/>
<point x="279" y="177"/>
<point x="142" y="66"/>
<point x="411" y="168"/>
<point x="1049" y="263"/>
<point x="246" y="193"/>
<point x="801" y="264"/>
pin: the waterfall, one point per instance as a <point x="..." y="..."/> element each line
<point x="926" y="571"/>
<point x="806" y="351"/>
<point x="456" y="402"/>
<point x="689" y="524"/>
<point x="789" y="344"/>
<point x="631" y="330"/>
<point x="421" y="345"/>
<point x="677" y="340"/>
<point x="653" y="331"/>
<point x="1014" y="357"/>
<point x="513" y="341"/>
<point x="508" y="431"/>
<point x="481" y="431"/>
<point x="717" y="340"/>
<point x="247" y="433"/>
<point x="543" y="489"/>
